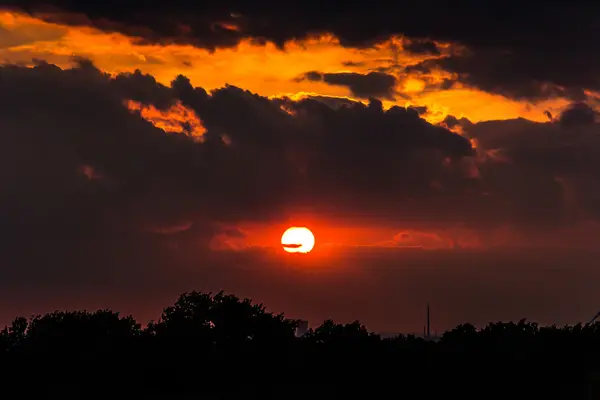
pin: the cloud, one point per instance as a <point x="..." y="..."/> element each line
<point x="373" y="84"/>
<point x="503" y="72"/>
<point x="229" y="238"/>
<point x="578" y="114"/>
<point x="554" y="56"/>
<point x="421" y="47"/>
<point x="547" y="171"/>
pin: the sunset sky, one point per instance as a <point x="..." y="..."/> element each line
<point x="437" y="153"/>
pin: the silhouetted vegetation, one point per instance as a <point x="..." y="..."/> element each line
<point x="218" y="346"/>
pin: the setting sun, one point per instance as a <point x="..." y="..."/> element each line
<point x="298" y="240"/>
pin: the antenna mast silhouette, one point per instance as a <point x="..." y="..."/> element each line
<point x="428" y="323"/>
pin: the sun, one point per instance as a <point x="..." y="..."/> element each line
<point x="298" y="240"/>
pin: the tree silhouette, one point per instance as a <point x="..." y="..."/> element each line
<point x="223" y="320"/>
<point x="220" y="346"/>
<point x="330" y="333"/>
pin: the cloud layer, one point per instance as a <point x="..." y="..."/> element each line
<point x="251" y="158"/>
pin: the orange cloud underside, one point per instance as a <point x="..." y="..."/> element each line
<point x="261" y="69"/>
<point x="177" y="119"/>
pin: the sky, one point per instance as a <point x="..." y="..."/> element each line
<point x="439" y="154"/>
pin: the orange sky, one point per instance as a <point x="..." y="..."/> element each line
<point x="261" y="69"/>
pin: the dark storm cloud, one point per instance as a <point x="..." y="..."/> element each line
<point x="373" y="84"/>
<point x="527" y="52"/>
<point x="548" y="172"/>
<point x="578" y="114"/>
<point x="508" y="74"/>
<point x="420" y="110"/>
<point x="334" y="102"/>
<point x="421" y="47"/>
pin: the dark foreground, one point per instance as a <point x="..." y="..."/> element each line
<point x="220" y="347"/>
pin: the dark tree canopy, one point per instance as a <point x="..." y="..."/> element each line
<point x="219" y="346"/>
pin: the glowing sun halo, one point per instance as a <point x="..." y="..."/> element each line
<point x="298" y="240"/>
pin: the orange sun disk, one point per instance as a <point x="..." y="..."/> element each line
<point x="298" y="240"/>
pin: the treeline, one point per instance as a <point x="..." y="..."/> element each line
<point x="219" y="346"/>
